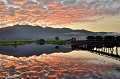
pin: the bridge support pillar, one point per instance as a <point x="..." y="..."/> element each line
<point x="117" y="50"/>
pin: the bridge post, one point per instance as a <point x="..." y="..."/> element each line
<point x="111" y="50"/>
<point x="106" y="50"/>
<point x="116" y="50"/>
<point x="103" y="49"/>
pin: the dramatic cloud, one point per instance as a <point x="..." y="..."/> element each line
<point x="55" y="12"/>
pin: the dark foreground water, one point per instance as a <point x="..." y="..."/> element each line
<point x="34" y="61"/>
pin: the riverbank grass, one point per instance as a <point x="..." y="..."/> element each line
<point x="13" y="43"/>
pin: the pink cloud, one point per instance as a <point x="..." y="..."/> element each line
<point x="51" y="13"/>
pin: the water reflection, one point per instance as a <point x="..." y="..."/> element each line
<point x="108" y="50"/>
<point x="33" y="49"/>
<point x="37" y="49"/>
<point x="55" y="62"/>
<point x="57" y="47"/>
<point x="73" y="65"/>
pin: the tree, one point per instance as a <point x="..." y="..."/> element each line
<point x="56" y="38"/>
<point x="40" y="41"/>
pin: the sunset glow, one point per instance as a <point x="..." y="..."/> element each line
<point x="57" y="13"/>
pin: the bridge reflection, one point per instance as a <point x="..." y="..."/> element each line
<point x="108" y="50"/>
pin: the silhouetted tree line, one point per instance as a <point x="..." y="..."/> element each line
<point x="40" y="41"/>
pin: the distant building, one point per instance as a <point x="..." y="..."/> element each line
<point x="90" y="38"/>
<point x="73" y="39"/>
<point x="109" y="38"/>
<point x="118" y="38"/>
<point x="98" y="38"/>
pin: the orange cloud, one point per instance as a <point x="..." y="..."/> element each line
<point x="18" y="2"/>
<point x="49" y="13"/>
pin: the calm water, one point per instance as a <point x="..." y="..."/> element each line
<point x="34" y="61"/>
<point x="33" y="49"/>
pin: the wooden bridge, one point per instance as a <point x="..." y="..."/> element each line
<point x="103" y="48"/>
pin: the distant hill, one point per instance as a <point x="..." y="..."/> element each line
<point x="27" y="32"/>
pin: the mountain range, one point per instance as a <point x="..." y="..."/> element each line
<point x="28" y="32"/>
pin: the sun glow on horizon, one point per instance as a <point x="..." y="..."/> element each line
<point x="60" y="13"/>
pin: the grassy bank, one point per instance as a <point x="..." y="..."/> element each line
<point x="59" y="42"/>
<point x="13" y="43"/>
<point x="17" y="43"/>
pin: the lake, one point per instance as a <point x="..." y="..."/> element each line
<point x="34" y="49"/>
<point x="33" y="61"/>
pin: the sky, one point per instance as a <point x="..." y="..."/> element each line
<point x="93" y="15"/>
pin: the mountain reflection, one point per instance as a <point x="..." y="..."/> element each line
<point x="33" y="49"/>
